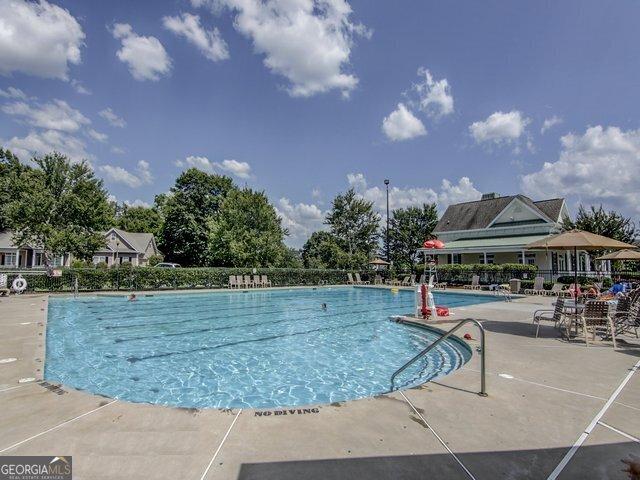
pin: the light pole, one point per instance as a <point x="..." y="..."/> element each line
<point x="386" y="182"/>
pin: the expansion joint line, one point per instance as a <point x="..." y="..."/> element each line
<point x="438" y="436"/>
<point x="584" y="435"/>
<point x="224" y="439"/>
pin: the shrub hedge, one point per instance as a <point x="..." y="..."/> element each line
<point x="150" y="278"/>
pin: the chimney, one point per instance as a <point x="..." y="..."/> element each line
<point x="489" y="196"/>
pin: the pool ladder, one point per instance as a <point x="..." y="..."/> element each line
<point x="483" y="389"/>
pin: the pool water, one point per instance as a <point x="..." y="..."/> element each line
<point x="257" y="349"/>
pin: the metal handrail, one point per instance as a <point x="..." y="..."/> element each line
<point x="483" y="390"/>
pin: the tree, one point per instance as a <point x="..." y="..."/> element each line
<point x="140" y="219"/>
<point x="322" y="250"/>
<point x="60" y="206"/>
<point x="188" y="211"/>
<point x="10" y="171"/>
<point x="247" y="232"/>
<point x="408" y="229"/>
<point x="355" y="224"/>
<point x="609" y="224"/>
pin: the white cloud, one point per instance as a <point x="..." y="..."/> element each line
<point x="209" y="42"/>
<point x="308" y="42"/>
<point x="449" y="193"/>
<point x="600" y="166"/>
<point x="54" y="115"/>
<point x="47" y="141"/>
<point x="145" y="56"/>
<point x="117" y="150"/>
<point x="401" y="124"/>
<point x="98" y="136"/>
<point x="38" y="38"/>
<point x="550" y="122"/>
<point x="316" y="193"/>
<point x="137" y="203"/>
<point x="14" y="93"/>
<point x="434" y="96"/>
<point x="113" y="119"/>
<point x="233" y="167"/>
<point x="301" y="219"/>
<point x="79" y="87"/>
<point x="117" y="174"/>
<point x="500" y="128"/>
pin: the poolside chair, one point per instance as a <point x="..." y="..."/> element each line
<point x="4" y="290"/>
<point x="248" y="283"/>
<point x="359" y="281"/>
<point x="595" y="318"/>
<point x="265" y="281"/>
<point x="350" y="280"/>
<point x="440" y="286"/>
<point x="232" y="282"/>
<point x="257" y="282"/>
<point x="405" y="281"/>
<point x="538" y="287"/>
<point x="556" y="315"/>
<point x="377" y="280"/>
<point x="631" y="321"/>
<point x="557" y="289"/>
<point x="475" y="283"/>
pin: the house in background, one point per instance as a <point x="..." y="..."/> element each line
<point x="496" y="229"/>
<point x="120" y="247"/>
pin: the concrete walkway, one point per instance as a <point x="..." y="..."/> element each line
<point x="545" y="397"/>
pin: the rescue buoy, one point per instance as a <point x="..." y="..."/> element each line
<point x="19" y="285"/>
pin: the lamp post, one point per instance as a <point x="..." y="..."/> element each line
<point x="386" y="182"/>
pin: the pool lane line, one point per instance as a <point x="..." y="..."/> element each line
<point x="584" y="435"/>
<point x="56" y="427"/>
<point x="200" y="309"/>
<point x="442" y="442"/>
<point x="241" y="342"/>
<point x="243" y="325"/>
<point x="224" y="439"/>
<point x="624" y="434"/>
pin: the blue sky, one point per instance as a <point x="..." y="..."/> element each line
<point x="303" y="99"/>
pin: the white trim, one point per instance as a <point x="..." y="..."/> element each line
<point x="624" y="434"/>
<point x="545" y="218"/>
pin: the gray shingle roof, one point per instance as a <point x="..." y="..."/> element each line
<point x="480" y="213"/>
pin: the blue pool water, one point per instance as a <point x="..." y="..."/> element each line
<point x="257" y="349"/>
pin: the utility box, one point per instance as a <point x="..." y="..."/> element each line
<point x="515" y="284"/>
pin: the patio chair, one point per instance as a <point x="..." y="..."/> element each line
<point x="405" y="281"/>
<point x="377" y="280"/>
<point x="557" y="289"/>
<point x="475" y="283"/>
<point x="595" y="318"/>
<point x="538" y="287"/>
<point x="265" y="281"/>
<point x="248" y="283"/>
<point x="257" y="282"/>
<point x="350" y="280"/>
<point x="440" y="286"/>
<point x="4" y="289"/>
<point x="359" y="281"/>
<point x="634" y="295"/>
<point x="556" y="315"/>
<point x="232" y="282"/>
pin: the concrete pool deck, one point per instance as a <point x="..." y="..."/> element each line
<point x="545" y="397"/>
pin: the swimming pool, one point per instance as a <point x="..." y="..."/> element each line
<point x="259" y="349"/>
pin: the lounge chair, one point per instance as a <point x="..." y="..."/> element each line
<point x="405" y="281"/>
<point x="248" y="283"/>
<point x="232" y="282"/>
<point x="475" y="283"/>
<point x="557" y="289"/>
<point x="538" y="287"/>
<point x="440" y="286"/>
<point x="556" y="315"/>
<point x="595" y="317"/>
<point x="359" y="281"/>
<point x="265" y="281"/>
<point x="377" y="280"/>
<point x="257" y="282"/>
<point x="630" y="321"/>
<point x="350" y="280"/>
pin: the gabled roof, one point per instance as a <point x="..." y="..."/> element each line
<point x="132" y="241"/>
<point x="479" y="214"/>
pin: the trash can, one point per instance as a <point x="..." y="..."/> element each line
<point x="515" y="285"/>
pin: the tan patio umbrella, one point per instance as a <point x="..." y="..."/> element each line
<point x="621" y="255"/>
<point x="378" y="261"/>
<point x="578" y="240"/>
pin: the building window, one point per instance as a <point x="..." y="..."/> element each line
<point x="490" y="258"/>
<point x="455" y="258"/>
<point x="529" y="259"/>
<point x="9" y="260"/>
<point x="39" y="260"/>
